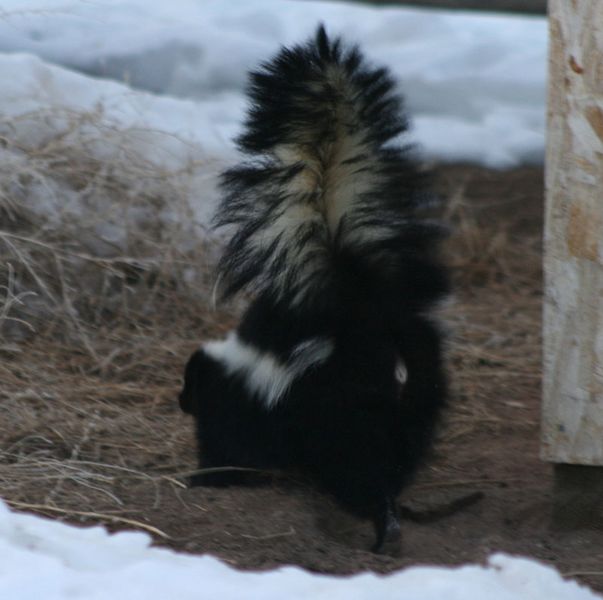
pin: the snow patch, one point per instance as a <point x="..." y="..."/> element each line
<point x="51" y="560"/>
<point x="475" y="84"/>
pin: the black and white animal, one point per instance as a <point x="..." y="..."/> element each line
<point x="336" y="366"/>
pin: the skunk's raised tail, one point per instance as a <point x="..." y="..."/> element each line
<point x="325" y="184"/>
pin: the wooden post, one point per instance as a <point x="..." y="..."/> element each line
<point x="572" y="426"/>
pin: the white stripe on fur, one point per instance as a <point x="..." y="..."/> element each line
<point x="265" y="375"/>
<point x="400" y="372"/>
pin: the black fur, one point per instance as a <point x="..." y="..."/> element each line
<point x="352" y="264"/>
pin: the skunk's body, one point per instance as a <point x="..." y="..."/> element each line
<point x="335" y="367"/>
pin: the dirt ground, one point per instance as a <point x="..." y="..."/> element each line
<point x="108" y="444"/>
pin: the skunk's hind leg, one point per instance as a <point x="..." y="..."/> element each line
<point x="387" y="528"/>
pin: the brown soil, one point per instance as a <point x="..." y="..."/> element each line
<point x="82" y="439"/>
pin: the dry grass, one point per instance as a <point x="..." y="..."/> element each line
<point x="494" y="321"/>
<point x="495" y="240"/>
<point x="90" y="228"/>
<point x="100" y="306"/>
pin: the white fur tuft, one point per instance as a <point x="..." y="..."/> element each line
<point x="401" y="372"/>
<point x="265" y="375"/>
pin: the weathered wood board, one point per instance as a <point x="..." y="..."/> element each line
<point x="572" y="430"/>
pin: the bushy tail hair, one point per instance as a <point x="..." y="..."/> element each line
<point x="326" y="180"/>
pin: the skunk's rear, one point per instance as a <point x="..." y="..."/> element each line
<point x="334" y="367"/>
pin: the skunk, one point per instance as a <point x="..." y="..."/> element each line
<point x="336" y="366"/>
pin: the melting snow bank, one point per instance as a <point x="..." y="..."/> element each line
<point x="475" y="84"/>
<point x="51" y="560"/>
<point x="165" y="153"/>
<point x="90" y="169"/>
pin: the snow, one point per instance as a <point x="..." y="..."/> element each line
<point x="55" y="561"/>
<point x="475" y="84"/>
<point x="163" y="82"/>
<point x="160" y="136"/>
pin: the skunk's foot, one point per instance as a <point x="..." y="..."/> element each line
<point x="388" y="530"/>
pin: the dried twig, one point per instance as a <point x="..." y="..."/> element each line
<point x="270" y="536"/>
<point x="88" y="514"/>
